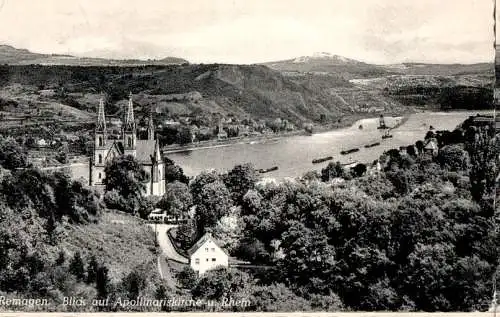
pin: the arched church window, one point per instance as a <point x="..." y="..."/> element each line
<point x="100" y="158"/>
<point x="99" y="175"/>
<point x="129" y="141"/>
<point x="100" y="141"/>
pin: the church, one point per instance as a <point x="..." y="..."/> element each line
<point x="147" y="152"/>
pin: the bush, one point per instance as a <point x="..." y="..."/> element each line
<point x="187" y="277"/>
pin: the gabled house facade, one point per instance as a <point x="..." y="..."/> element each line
<point x="206" y="254"/>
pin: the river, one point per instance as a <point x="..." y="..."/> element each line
<point x="294" y="155"/>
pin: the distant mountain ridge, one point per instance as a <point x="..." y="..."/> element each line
<point x="350" y="68"/>
<point x="328" y="63"/>
<point x="15" y="56"/>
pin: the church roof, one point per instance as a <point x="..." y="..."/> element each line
<point x="109" y="148"/>
<point x="144" y="150"/>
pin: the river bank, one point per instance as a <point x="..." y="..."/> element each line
<point x="345" y="122"/>
<point x="294" y="155"/>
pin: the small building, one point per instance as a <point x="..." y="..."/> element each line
<point x="206" y="254"/>
<point x="42" y="143"/>
<point x="221" y="135"/>
<point x="157" y="215"/>
<point x="431" y="147"/>
<point x="485" y="120"/>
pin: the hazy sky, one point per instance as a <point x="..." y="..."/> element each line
<point x="249" y="31"/>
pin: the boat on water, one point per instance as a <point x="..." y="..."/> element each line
<point x="321" y="160"/>
<point x="387" y="135"/>
<point x="372" y="144"/>
<point x="382" y="124"/>
<point x="267" y="170"/>
<point x="349" y="151"/>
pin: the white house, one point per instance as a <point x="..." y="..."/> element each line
<point x="206" y="254"/>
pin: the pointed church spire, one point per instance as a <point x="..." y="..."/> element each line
<point x="101" y="119"/>
<point x="151" y="127"/>
<point x="129" y="120"/>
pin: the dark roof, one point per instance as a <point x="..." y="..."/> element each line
<point x="111" y="145"/>
<point x="144" y="150"/>
<point x="207" y="236"/>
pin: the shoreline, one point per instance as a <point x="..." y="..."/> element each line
<point x="348" y="123"/>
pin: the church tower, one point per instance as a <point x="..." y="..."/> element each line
<point x="101" y="135"/>
<point x="129" y="130"/>
<point x="97" y="161"/>
<point x="151" y="127"/>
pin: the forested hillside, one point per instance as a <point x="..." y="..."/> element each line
<point x="58" y="240"/>
<point x="418" y="235"/>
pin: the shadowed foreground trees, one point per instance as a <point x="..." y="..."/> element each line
<point x="417" y="235"/>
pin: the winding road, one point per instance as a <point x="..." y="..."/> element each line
<point x="165" y="243"/>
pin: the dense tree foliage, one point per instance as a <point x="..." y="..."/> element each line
<point x="125" y="175"/>
<point x="417" y="235"/>
<point x="177" y="200"/>
<point x="239" y="180"/>
<point x="12" y="155"/>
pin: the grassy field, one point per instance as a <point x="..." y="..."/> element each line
<point x="120" y="241"/>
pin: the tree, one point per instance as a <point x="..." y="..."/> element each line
<point x="184" y="135"/>
<point x="229" y="230"/>
<point x="62" y="157"/>
<point x="277" y="298"/>
<point x="239" y="180"/>
<point x="214" y="202"/>
<point x="430" y="135"/>
<point x="213" y="285"/>
<point x="251" y="203"/>
<point x="103" y="283"/>
<point x="12" y="155"/>
<point x="219" y="283"/>
<point x="187" y="277"/>
<point x="420" y="146"/>
<point x="177" y="200"/>
<point x="307" y="254"/>
<point x="186" y="234"/>
<point x="453" y="157"/>
<point x="359" y="169"/>
<point x="146" y="206"/>
<point x="198" y="183"/>
<point x="92" y="268"/>
<point x="410" y="150"/>
<point x="135" y="282"/>
<point x="125" y="175"/>
<point x="114" y="200"/>
<point x="76" y="266"/>
<point x="329" y="303"/>
<point x="161" y="293"/>
<point x="429" y="268"/>
<point x="61" y="258"/>
<point x="333" y="170"/>
<point x="483" y="150"/>
<point x="175" y="173"/>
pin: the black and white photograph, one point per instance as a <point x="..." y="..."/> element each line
<point x="263" y="156"/>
